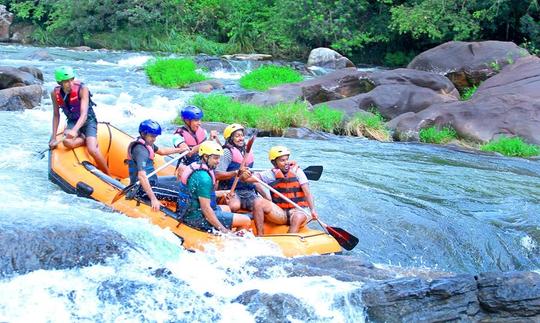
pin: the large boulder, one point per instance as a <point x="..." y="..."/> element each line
<point x="6" y="18"/>
<point x="20" y="98"/>
<point x="468" y="63"/>
<point x="328" y="58"/>
<point x="25" y="248"/>
<point x="11" y="76"/>
<point x="399" y="91"/>
<point x="506" y="104"/>
<point x="21" y="33"/>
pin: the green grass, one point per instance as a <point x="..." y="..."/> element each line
<point x="368" y="125"/>
<point x="436" y="136"/>
<point x="468" y="92"/>
<point x="514" y="146"/>
<point x="173" y="73"/>
<point x="221" y="108"/>
<point x="268" y="76"/>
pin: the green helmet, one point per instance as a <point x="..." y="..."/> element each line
<point x="64" y="73"/>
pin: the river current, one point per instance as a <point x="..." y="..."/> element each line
<point x="412" y="205"/>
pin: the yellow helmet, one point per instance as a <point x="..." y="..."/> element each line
<point x="230" y="129"/>
<point x="210" y="148"/>
<point x="278" y="151"/>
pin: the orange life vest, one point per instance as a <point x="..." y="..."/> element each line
<point x="289" y="186"/>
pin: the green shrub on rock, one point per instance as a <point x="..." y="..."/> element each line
<point x="173" y="72"/>
<point x="268" y="76"/>
<point x="514" y="147"/>
<point x="435" y="136"/>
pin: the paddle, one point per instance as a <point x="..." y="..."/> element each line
<point x="131" y="186"/>
<point x="344" y="238"/>
<point x="313" y="173"/>
<point x="41" y="154"/>
<point x="243" y="163"/>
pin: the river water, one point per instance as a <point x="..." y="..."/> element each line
<point x="412" y="206"/>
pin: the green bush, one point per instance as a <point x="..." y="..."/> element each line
<point x="221" y="108"/>
<point x="514" y="147"/>
<point x="436" y="136"/>
<point x="268" y="76"/>
<point x="325" y="119"/>
<point x="468" y="92"/>
<point x="173" y="73"/>
<point x="370" y="125"/>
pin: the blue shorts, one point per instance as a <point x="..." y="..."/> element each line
<point x="226" y="218"/>
<point x="89" y="128"/>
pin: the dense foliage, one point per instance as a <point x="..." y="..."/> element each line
<point x="268" y="76"/>
<point x="368" y="31"/>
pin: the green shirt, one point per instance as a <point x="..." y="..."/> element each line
<point x="199" y="185"/>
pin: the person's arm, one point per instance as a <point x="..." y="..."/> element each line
<point x="172" y="150"/>
<point x="145" y="184"/>
<point x="210" y="215"/>
<point x="224" y="162"/>
<point x="55" y="120"/>
<point x="304" y="184"/>
<point x="84" y="98"/>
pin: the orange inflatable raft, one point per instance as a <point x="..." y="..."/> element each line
<point x="74" y="171"/>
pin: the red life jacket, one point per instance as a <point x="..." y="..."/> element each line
<point x="289" y="186"/>
<point x="192" y="139"/>
<point x="72" y="108"/>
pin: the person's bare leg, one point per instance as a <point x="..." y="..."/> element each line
<point x="234" y="204"/>
<point x="74" y="142"/>
<point x="241" y="221"/>
<point x="93" y="150"/>
<point x="258" y="215"/>
<point x="298" y="218"/>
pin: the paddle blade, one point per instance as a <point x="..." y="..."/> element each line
<point x="344" y="238"/>
<point x="250" y="142"/>
<point x="313" y="173"/>
<point x="122" y="193"/>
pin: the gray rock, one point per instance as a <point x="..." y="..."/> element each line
<point x="6" y="18"/>
<point x="511" y="294"/>
<point x="11" y="76"/>
<point x="468" y="63"/>
<point x="328" y="58"/>
<point x="508" y="104"/>
<point x="272" y="308"/>
<point x="204" y="86"/>
<point x="339" y="84"/>
<point x="248" y="57"/>
<point x="20" y="98"/>
<point x="24" y="249"/>
<point x="417" y="300"/>
<point x="21" y="33"/>
<point x="36" y="72"/>
<point x="40" y="55"/>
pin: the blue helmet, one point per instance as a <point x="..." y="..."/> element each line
<point x="150" y="127"/>
<point x="191" y="112"/>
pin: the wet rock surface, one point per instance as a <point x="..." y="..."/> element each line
<point x="398" y="295"/>
<point x="24" y="249"/>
